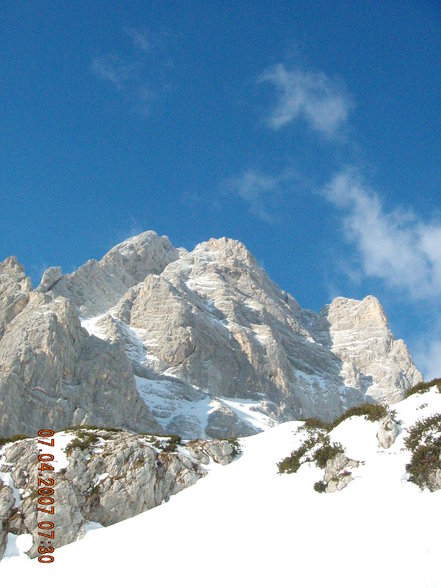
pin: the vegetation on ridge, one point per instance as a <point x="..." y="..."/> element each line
<point x="422" y="387"/>
<point x="5" y="440"/>
<point x="424" y="442"/>
<point x="316" y="448"/>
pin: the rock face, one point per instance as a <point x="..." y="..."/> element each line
<point x="49" y="279"/>
<point x="435" y="479"/>
<point x="7" y="503"/>
<point x="200" y="343"/>
<point x="372" y="359"/>
<point x="98" y="285"/>
<point x="106" y="477"/>
<point x="52" y="374"/>
<point x="14" y="291"/>
<point x="337" y="472"/>
<point x="387" y="432"/>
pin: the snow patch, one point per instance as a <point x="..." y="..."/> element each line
<point x="250" y="412"/>
<point x="61" y="441"/>
<point x="7" y="480"/>
<point x="92" y="327"/>
<point x="18" y="545"/>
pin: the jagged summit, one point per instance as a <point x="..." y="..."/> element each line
<point x="198" y="343"/>
<point x="14" y="291"/>
<point x="98" y="285"/>
<point x="225" y="247"/>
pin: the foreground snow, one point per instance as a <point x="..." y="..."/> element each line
<point x="246" y="525"/>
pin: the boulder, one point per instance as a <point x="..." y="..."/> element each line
<point x="387" y="432"/>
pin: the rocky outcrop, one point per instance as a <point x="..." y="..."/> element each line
<point x="53" y="375"/>
<point x="107" y="476"/>
<point x="7" y="503"/>
<point x="220" y="451"/>
<point x="49" y="279"/>
<point x="387" y="432"/>
<point x="338" y="472"/>
<point x="14" y="291"/>
<point x="98" y="285"/>
<point x="435" y="478"/>
<point x="372" y="359"/>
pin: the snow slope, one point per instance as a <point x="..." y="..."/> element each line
<point x="244" y="524"/>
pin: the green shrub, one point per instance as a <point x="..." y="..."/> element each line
<point x="75" y="428"/>
<point x="4" y="440"/>
<point x="424" y="441"/>
<point x="316" y="448"/>
<point x="82" y="441"/>
<point x="167" y="443"/>
<point x="326" y="451"/>
<point x="236" y="446"/>
<point x="422" y="429"/>
<point x="423" y="387"/>
<point x="320" y="486"/>
<point x="172" y="443"/>
<point x="372" y="412"/>
<point x="316" y="424"/>
<point x="291" y="464"/>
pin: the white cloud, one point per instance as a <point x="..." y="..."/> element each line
<point x="322" y="102"/>
<point x="114" y="69"/>
<point x="141" y="39"/>
<point x="428" y="358"/>
<point x="128" y="77"/>
<point x="261" y="191"/>
<point x="401" y="249"/>
<point x="134" y="72"/>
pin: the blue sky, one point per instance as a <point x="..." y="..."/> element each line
<point x="310" y="131"/>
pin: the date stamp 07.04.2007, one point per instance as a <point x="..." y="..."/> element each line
<point x="45" y="496"/>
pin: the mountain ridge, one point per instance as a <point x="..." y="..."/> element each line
<point x="207" y="342"/>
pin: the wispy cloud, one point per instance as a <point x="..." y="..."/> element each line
<point x="141" y="39"/>
<point x="398" y="247"/>
<point x="313" y="96"/>
<point x="114" y="69"/>
<point x="262" y="192"/>
<point x="133" y="72"/>
<point x="428" y="358"/>
<point x="402" y="250"/>
<point x="131" y="227"/>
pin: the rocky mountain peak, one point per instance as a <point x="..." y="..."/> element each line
<point x="366" y="312"/>
<point x="197" y="343"/>
<point x="10" y="268"/>
<point x="224" y="250"/>
<point x="98" y="285"/>
<point x="14" y="290"/>
<point x="49" y="278"/>
<point x="140" y="255"/>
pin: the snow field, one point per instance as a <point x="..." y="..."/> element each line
<point x="244" y="524"/>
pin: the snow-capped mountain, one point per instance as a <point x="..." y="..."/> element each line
<point x="200" y="343"/>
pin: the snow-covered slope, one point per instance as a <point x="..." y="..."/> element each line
<point x="245" y="524"/>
